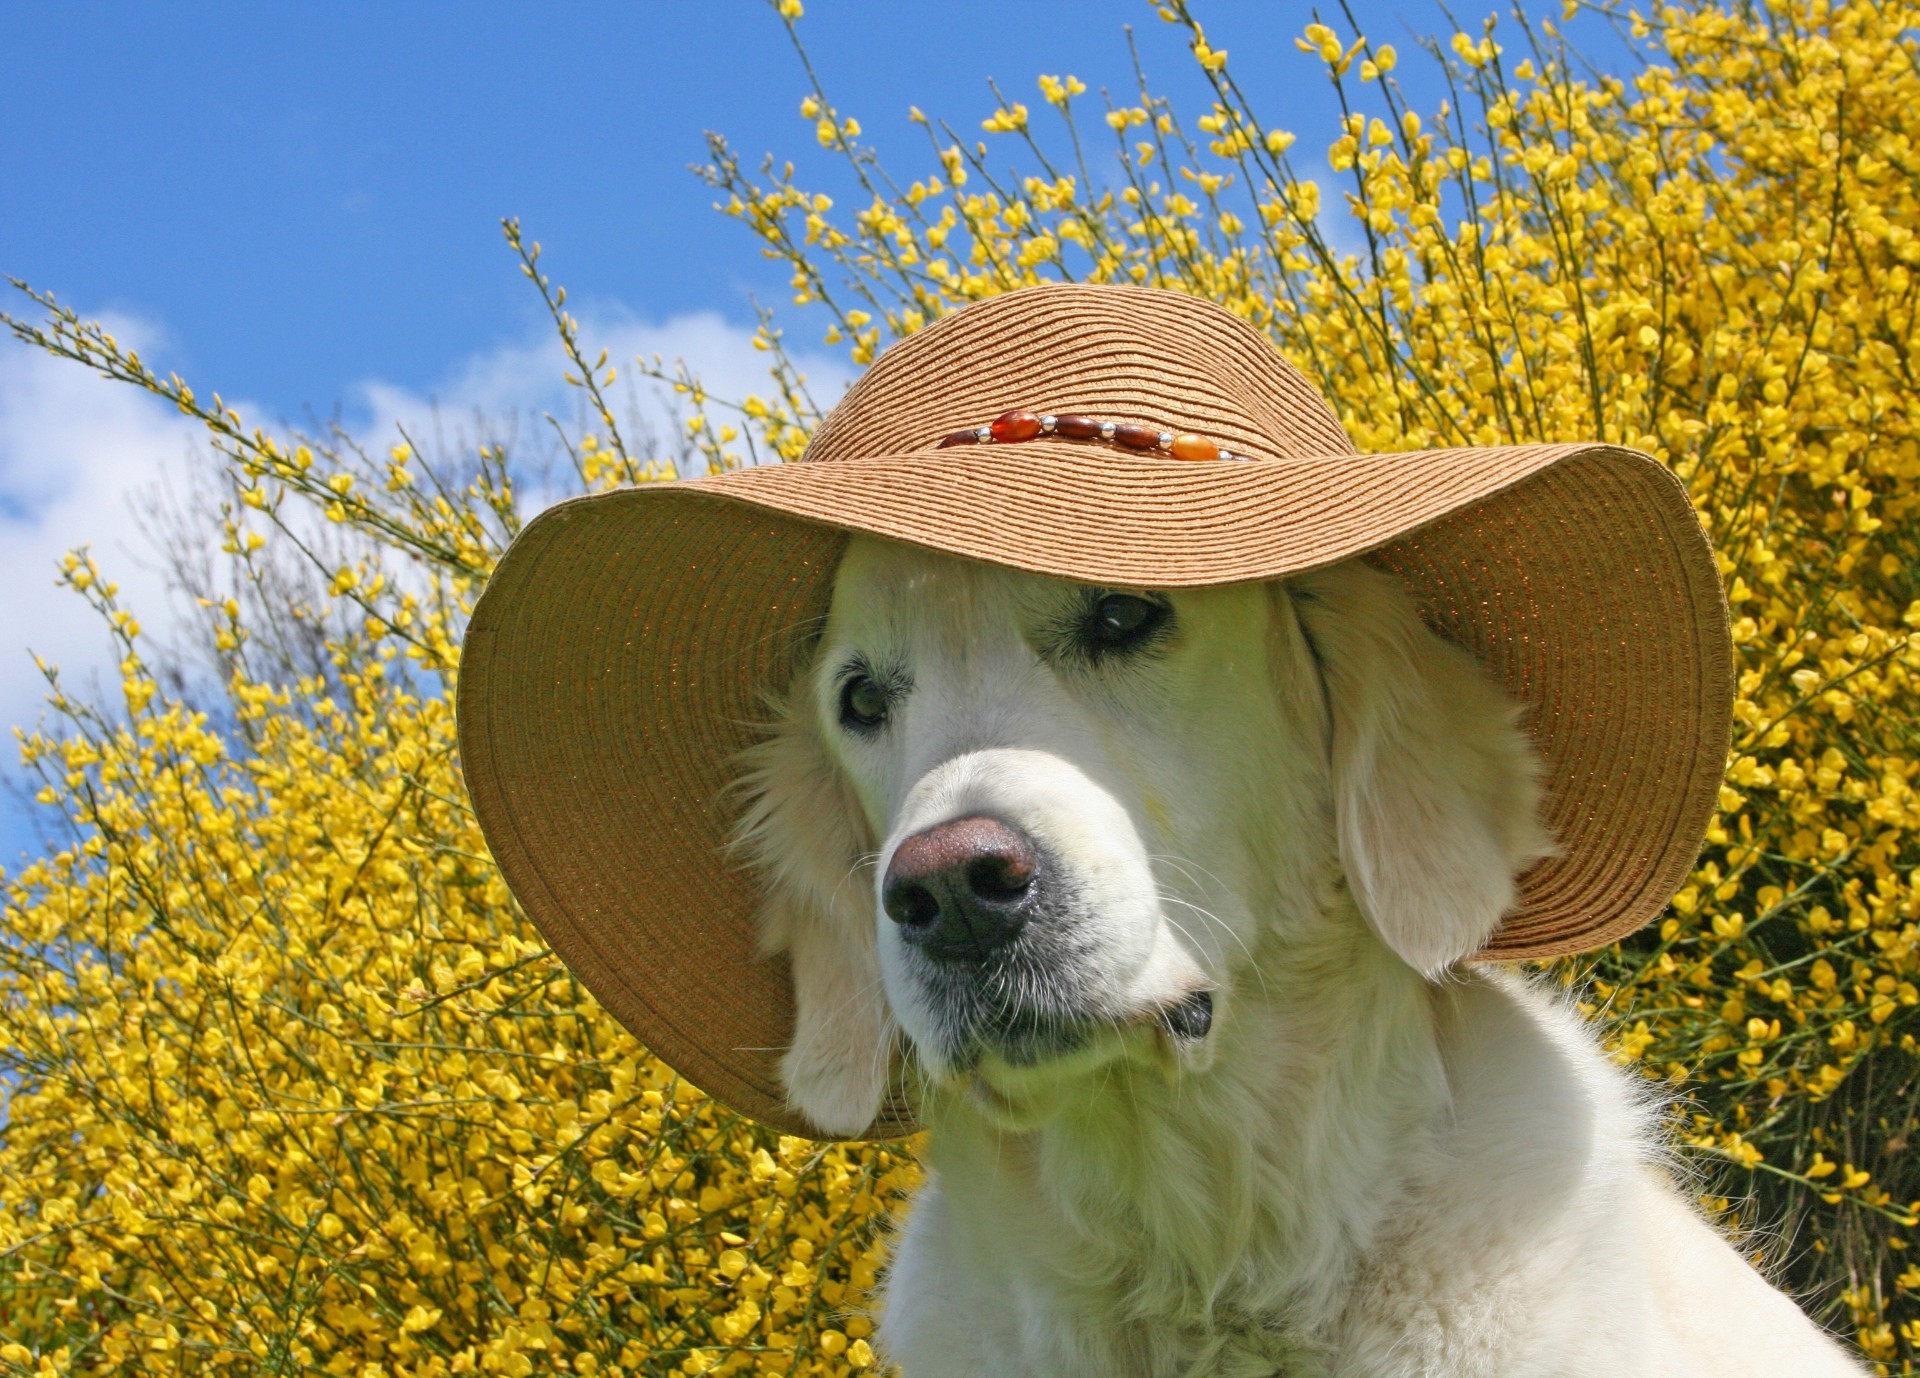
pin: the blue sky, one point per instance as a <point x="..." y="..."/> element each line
<point x="299" y="206"/>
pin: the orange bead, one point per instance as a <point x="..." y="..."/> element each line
<point x="1016" y="425"/>
<point x="1194" y="447"/>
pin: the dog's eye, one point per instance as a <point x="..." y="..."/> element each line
<point x="1120" y="621"/>
<point x="863" y="703"/>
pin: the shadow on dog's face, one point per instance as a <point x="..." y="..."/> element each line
<point x="1034" y="825"/>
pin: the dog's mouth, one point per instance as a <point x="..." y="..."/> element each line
<point x="1190" y="1017"/>
<point x="1030" y="1036"/>
<point x="1015" y="1078"/>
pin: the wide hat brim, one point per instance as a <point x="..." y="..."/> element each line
<point x="623" y="654"/>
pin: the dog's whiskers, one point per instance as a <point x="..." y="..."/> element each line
<point x="1187" y="866"/>
<point x="1223" y="926"/>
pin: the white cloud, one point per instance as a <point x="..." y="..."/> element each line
<point x="519" y="382"/>
<point x="80" y="460"/>
<point x="83" y="461"/>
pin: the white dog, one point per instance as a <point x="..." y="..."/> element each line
<point x="1163" y="901"/>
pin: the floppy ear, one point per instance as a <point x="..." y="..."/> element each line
<point x="804" y="832"/>
<point x="1436" y="788"/>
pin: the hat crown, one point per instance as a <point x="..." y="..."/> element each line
<point x="1140" y="354"/>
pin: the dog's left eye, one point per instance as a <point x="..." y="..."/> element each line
<point x="1121" y="621"/>
<point x="863" y="703"/>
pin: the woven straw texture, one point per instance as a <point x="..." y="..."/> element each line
<point x="623" y="653"/>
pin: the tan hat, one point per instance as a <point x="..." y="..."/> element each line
<point x="622" y="655"/>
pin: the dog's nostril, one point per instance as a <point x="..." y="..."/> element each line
<point x="911" y="905"/>
<point x="1000" y="877"/>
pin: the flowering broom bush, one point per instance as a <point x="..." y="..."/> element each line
<point x="291" y="1084"/>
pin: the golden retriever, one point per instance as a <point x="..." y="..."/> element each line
<point x="1159" y="904"/>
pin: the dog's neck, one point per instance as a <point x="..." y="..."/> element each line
<point x="1246" y="1192"/>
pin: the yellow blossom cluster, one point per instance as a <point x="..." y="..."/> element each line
<point x="292" y="1086"/>
<point x="290" y="1083"/>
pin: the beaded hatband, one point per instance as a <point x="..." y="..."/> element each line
<point x="1016" y="426"/>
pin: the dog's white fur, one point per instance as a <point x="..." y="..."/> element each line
<point x="1380" y="1162"/>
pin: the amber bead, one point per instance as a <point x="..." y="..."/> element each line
<point x="1016" y="425"/>
<point x="1076" y="427"/>
<point x="1192" y="446"/>
<point x="959" y="438"/>
<point x="1136" y="437"/>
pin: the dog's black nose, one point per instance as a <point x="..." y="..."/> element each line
<point x="960" y="890"/>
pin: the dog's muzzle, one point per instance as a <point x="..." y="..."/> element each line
<point x="1004" y="952"/>
<point x="985" y="909"/>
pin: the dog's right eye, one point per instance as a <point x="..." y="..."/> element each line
<point x="1119" y="622"/>
<point x="863" y="704"/>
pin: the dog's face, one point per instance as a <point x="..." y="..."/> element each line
<point x="1038" y="761"/>
<point x="1033" y="825"/>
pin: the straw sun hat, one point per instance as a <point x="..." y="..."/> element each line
<point x="620" y="658"/>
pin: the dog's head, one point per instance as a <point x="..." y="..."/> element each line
<point x="1032" y="825"/>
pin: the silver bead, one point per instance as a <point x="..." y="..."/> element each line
<point x="1106" y="430"/>
<point x="1228" y="454"/>
<point x="1046" y="425"/>
<point x="984" y="435"/>
<point x="1166" y="440"/>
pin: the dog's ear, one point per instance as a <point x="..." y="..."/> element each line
<point x="803" y="831"/>
<point x="1436" y="787"/>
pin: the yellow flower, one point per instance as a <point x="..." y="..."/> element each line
<point x="1059" y="92"/>
<point x="1006" y="120"/>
